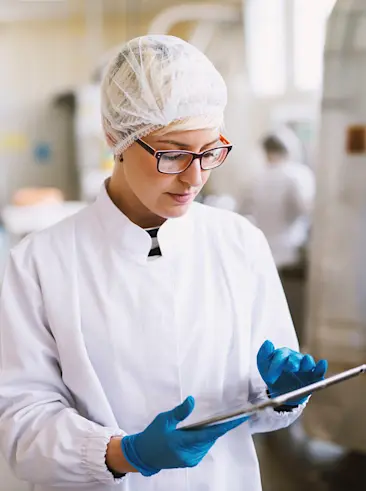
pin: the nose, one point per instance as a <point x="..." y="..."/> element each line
<point x="193" y="175"/>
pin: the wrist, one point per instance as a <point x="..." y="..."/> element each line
<point x="128" y="447"/>
<point x="289" y="405"/>
<point x="115" y="459"/>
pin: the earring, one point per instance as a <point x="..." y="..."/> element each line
<point x="121" y="158"/>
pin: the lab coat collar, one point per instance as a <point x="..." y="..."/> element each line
<point x="135" y="240"/>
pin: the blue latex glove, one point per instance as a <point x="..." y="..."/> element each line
<point x="162" y="446"/>
<point x="284" y="370"/>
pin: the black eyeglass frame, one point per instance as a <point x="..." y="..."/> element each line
<point x="159" y="153"/>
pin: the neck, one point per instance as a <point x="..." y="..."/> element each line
<point x="278" y="161"/>
<point x="128" y="203"/>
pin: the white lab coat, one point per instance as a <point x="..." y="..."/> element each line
<point x="282" y="203"/>
<point x="96" y="340"/>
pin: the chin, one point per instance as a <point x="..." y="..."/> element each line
<point x="174" y="211"/>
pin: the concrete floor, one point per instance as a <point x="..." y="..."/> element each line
<point x="289" y="469"/>
<point x="275" y="476"/>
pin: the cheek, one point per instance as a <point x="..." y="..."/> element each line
<point x="145" y="179"/>
<point x="141" y="172"/>
<point x="205" y="176"/>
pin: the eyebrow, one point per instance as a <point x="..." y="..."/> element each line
<point x="185" y="145"/>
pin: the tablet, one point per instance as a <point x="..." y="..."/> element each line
<point x="279" y="400"/>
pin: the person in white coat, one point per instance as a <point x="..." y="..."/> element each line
<point x="146" y="309"/>
<point x="283" y="198"/>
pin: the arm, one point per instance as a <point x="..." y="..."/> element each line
<point x="115" y="458"/>
<point x="270" y="320"/>
<point x="43" y="438"/>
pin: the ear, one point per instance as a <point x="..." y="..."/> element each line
<point x="120" y="158"/>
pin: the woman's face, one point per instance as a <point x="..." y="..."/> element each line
<point x="148" y="197"/>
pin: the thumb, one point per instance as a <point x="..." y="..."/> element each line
<point x="263" y="357"/>
<point x="320" y="369"/>
<point x="180" y="412"/>
<point x="218" y="430"/>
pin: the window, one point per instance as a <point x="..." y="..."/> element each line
<point x="265" y="42"/>
<point x="309" y="22"/>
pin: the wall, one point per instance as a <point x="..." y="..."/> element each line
<point x="39" y="58"/>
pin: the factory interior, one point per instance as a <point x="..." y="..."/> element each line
<point x="293" y="68"/>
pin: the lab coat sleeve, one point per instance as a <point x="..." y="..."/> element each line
<point x="271" y="320"/>
<point x="43" y="438"/>
<point x="301" y="194"/>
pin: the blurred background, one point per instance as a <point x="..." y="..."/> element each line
<point x="296" y="75"/>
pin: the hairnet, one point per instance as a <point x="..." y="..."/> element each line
<point x="154" y="81"/>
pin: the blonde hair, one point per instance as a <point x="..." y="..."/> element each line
<point x="189" y="124"/>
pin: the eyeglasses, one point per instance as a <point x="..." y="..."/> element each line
<point x="176" y="162"/>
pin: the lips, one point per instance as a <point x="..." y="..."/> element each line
<point x="182" y="198"/>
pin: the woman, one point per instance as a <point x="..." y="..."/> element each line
<point x="113" y="319"/>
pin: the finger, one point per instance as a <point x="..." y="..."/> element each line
<point x="212" y="433"/>
<point x="266" y="349"/>
<point x="222" y="428"/>
<point x="181" y="412"/>
<point x="264" y="356"/>
<point x="293" y="362"/>
<point x="320" y="369"/>
<point x="276" y="366"/>
<point x="307" y="363"/>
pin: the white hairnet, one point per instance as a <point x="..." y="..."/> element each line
<point x="156" y="80"/>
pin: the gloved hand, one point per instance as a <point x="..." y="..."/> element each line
<point x="284" y="370"/>
<point x="162" y="446"/>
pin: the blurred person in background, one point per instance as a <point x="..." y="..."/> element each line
<point x="283" y="199"/>
<point x="116" y="320"/>
<point x="282" y="204"/>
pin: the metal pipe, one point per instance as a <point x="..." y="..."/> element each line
<point x="164" y="21"/>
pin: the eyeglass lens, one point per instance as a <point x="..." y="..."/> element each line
<point x="173" y="162"/>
